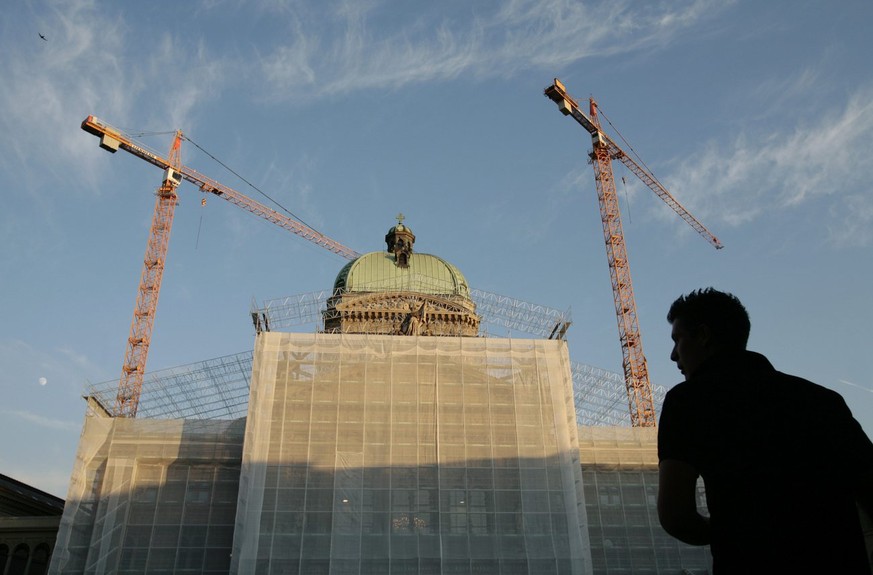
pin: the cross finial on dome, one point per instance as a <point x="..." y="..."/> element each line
<point x="400" y="217"/>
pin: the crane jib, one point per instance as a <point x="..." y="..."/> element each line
<point x="146" y="154"/>
<point x="639" y="390"/>
<point x="111" y="139"/>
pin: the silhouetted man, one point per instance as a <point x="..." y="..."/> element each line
<point x="783" y="461"/>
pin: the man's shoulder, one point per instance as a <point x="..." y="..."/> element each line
<point x="817" y="398"/>
<point x="804" y="385"/>
<point x="681" y="393"/>
<point x="749" y="374"/>
<point x="678" y="389"/>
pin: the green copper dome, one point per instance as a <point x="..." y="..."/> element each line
<point x="378" y="272"/>
<point x="401" y="292"/>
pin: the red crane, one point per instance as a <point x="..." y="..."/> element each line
<point x="112" y="139"/>
<point x="636" y="371"/>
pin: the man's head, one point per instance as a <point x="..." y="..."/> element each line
<point x="706" y="322"/>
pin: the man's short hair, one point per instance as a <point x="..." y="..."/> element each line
<point x="722" y="312"/>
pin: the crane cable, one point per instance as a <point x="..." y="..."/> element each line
<point x="628" y="144"/>
<point x="631" y="148"/>
<point x="199" y="227"/>
<point x="630" y="218"/>
<point x="251" y="185"/>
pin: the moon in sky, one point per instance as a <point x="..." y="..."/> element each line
<point x="43" y="381"/>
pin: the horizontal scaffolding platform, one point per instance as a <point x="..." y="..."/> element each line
<point x="213" y="389"/>
<point x="500" y="315"/>
<point x="219" y="389"/>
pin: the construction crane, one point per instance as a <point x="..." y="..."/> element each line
<point x="113" y="139"/>
<point x="636" y="371"/>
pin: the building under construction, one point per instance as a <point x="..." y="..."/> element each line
<point x="396" y="438"/>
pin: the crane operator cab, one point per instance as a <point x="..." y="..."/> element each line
<point x="172" y="176"/>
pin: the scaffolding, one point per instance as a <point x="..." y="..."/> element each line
<point x="219" y="389"/>
<point x="213" y="389"/>
<point x="149" y="496"/>
<point x="376" y="454"/>
<point x="601" y="396"/>
<point x="502" y="315"/>
<point x="368" y="453"/>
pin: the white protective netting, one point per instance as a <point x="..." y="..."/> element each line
<point x="151" y="496"/>
<point x="620" y="479"/>
<point x="380" y="454"/>
<point x="219" y="389"/>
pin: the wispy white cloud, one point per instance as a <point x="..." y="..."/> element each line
<point x="80" y="360"/>
<point x="849" y="383"/>
<point x="779" y="91"/>
<point x="49" y="416"/>
<point x="91" y="64"/>
<point x="42" y="421"/>
<point x="851" y="222"/>
<point x="24" y="363"/>
<point x="345" y="53"/>
<point x="821" y="157"/>
<point x="45" y="89"/>
<point x="195" y="75"/>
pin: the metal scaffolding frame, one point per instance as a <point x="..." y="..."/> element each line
<point x="502" y="313"/>
<point x="213" y="389"/>
<point x="601" y="396"/>
<point x="517" y="315"/>
<point x="219" y="389"/>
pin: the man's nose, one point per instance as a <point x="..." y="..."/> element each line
<point x="673" y="355"/>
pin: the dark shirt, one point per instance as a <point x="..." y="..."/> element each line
<point x="780" y="458"/>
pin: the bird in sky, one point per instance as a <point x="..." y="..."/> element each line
<point x="43" y="37"/>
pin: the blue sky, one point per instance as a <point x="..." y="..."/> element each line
<point x="757" y="116"/>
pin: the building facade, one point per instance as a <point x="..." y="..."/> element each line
<point x="393" y="441"/>
<point x="620" y="483"/>
<point x="29" y="520"/>
<point x="385" y="454"/>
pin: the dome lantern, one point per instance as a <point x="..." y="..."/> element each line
<point x="400" y="240"/>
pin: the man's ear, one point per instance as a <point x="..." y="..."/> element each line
<point x="704" y="335"/>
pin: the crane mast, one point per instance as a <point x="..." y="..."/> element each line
<point x="139" y="340"/>
<point x="635" y="367"/>
<point x="636" y="370"/>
